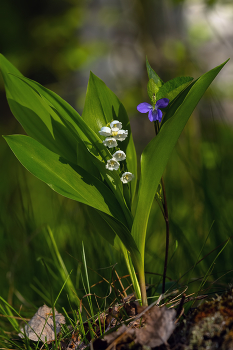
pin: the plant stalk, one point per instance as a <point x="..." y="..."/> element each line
<point x="131" y="270"/>
<point x="142" y="283"/>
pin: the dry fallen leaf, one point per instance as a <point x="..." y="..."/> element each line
<point x="159" y="325"/>
<point x="123" y="333"/>
<point x="41" y="325"/>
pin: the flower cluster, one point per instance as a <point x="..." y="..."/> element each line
<point x="113" y="134"/>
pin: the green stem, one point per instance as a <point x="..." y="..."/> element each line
<point x="131" y="270"/>
<point x="139" y="266"/>
<point x="142" y="283"/>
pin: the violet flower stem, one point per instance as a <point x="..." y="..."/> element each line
<point x="165" y="214"/>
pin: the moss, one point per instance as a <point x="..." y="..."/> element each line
<point x="210" y="326"/>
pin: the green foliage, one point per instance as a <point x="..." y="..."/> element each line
<point x="61" y="268"/>
<point x="152" y="90"/>
<point x="154" y="83"/>
<point x="152" y="75"/>
<point x="173" y="87"/>
<point x="65" y="151"/>
<point x="157" y="89"/>
<point x="101" y="107"/>
<point x="67" y="179"/>
<point x="156" y="154"/>
<point x="35" y="115"/>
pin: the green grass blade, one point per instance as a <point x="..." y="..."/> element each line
<point x="9" y="315"/>
<point x="40" y="293"/>
<point x="62" y="269"/>
<point x="211" y="267"/>
<point x="87" y="280"/>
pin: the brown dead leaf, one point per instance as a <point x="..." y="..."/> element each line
<point x="154" y="329"/>
<point x="159" y="325"/>
<point x="41" y="325"/>
<point x="122" y="335"/>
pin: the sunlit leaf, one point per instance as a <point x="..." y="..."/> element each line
<point x="152" y="90"/>
<point x="152" y="75"/>
<point x="69" y="180"/>
<point x="91" y="153"/>
<point x="156" y="154"/>
<point x="101" y="107"/>
<point x="55" y="124"/>
<point x="173" y="87"/>
<point x="31" y="111"/>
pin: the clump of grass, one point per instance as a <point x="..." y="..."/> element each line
<point x="89" y="321"/>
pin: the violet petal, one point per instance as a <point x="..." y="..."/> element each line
<point x="152" y="115"/>
<point x="144" y="107"/>
<point x="160" y="115"/>
<point x="162" y="103"/>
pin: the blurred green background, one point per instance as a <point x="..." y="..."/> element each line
<point x="57" y="43"/>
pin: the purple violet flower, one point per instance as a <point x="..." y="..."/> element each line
<point x="154" y="112"/>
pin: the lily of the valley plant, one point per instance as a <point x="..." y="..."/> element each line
<point x="92" y="159"/>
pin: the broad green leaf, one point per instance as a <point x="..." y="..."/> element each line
<point x="101" y="107"/>
<point x="69" y="180"/>
<point x="83" y="134"/>
<point x="175" y="104"/>
<point x="63" y="177"/>
<point x="107" y="226"/>
<point x="90" y="149"/>
<point x="156" y="154"/>
<point x="31" y="111"/>
<point x="152" y="75"/>
<point x="46" y="126"/>
<point x="101" y="227"/>
<point x="55" y="124"/>
<point x="173" y="87"/>
<point x="152" y="90"/>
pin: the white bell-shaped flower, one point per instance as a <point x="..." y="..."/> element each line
<point x="120" y="135"/>
<point x="115" y="125"/>
<point x="112" y="164"/>
<point x="110" y="142"/>
<point x="119" y="155"/>
<point x="127" y="177"/>
<point x="105" y="131"/>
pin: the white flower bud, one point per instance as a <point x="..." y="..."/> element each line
<point x="112" y="164"/>
<point x="110" y="142"/>
<point x="121" y="135"/>
<point x="127" y="177"/>
<point x="119" y="155"/>
<point x="115" y="125"/>
<point x="105" y="131"/>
